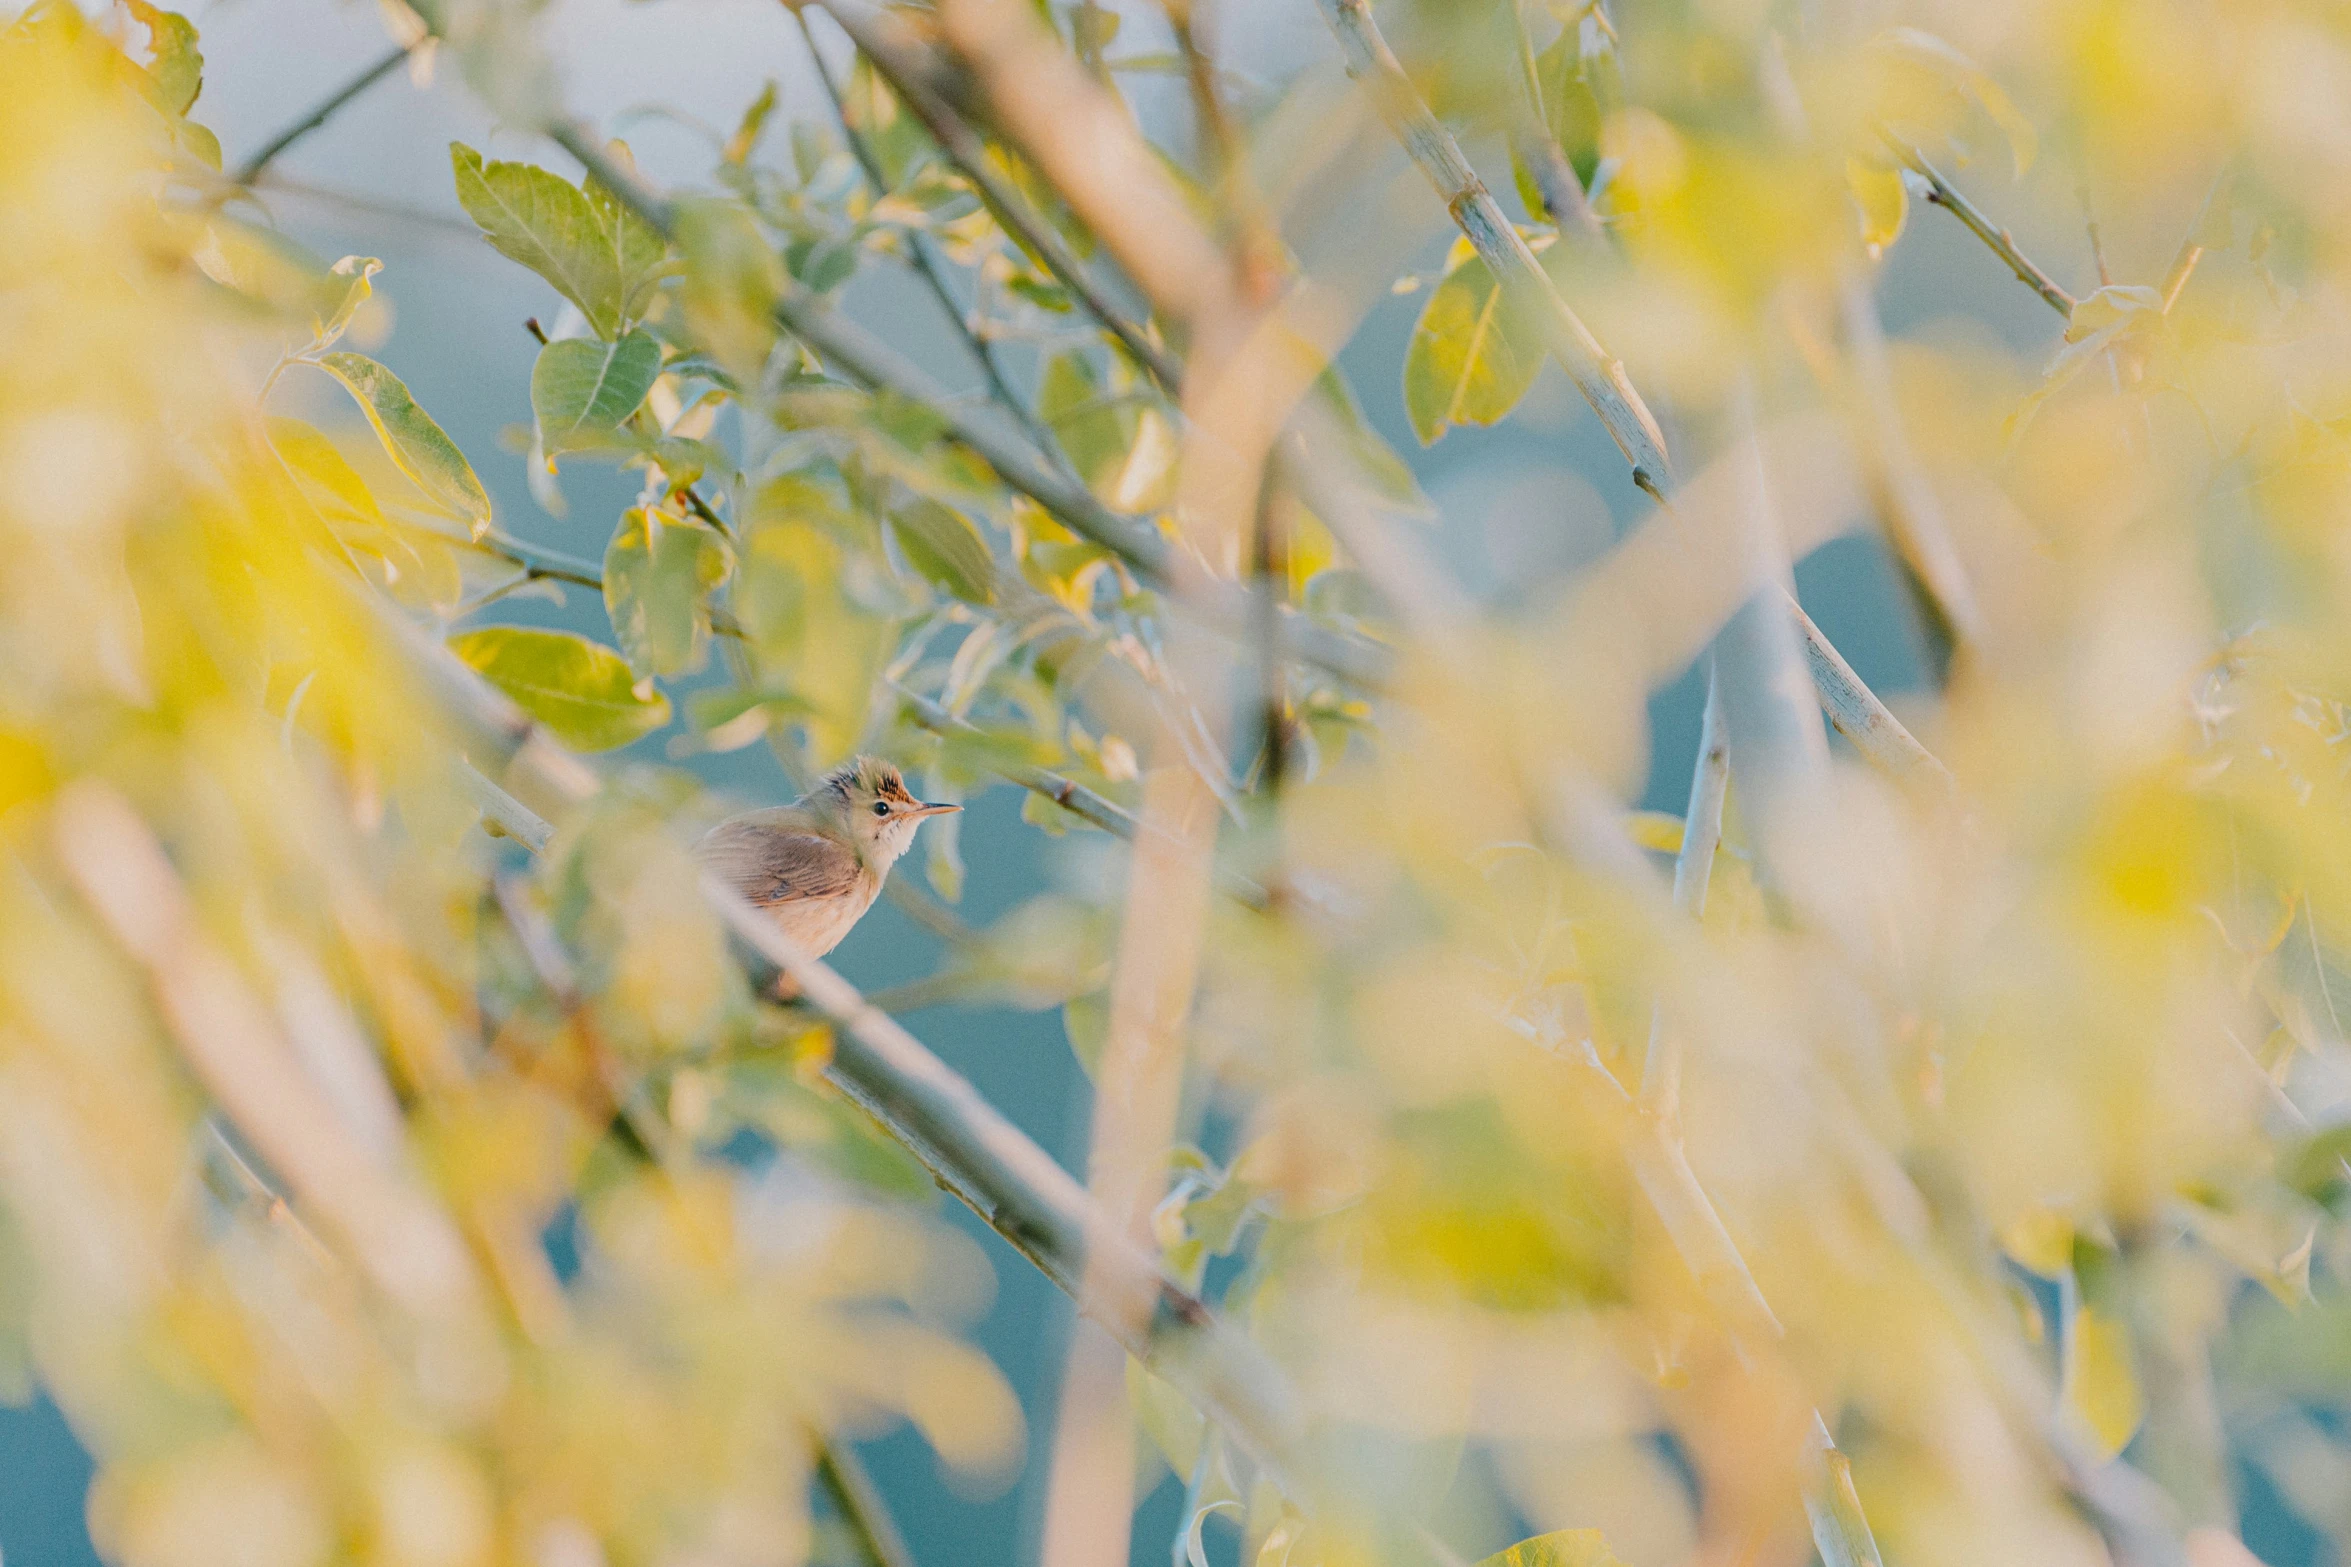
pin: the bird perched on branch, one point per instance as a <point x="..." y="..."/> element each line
<point x="815" y="866"/>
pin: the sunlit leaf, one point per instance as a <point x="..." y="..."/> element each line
<point x="582" y="389"/>
<point x="1882" y="200"/>
<point x="733" y="277"/>
<point x="1963" y="75"/>
<point x="553" y="227"/>
<point x="585" y="694"/>
<point x="417" y="446"/>
<point x="747" y="130"/>
<point x="1461" y="366"/>
<point x="175" y="70"/>
<point x="946" y="547"/>
<point x="359" y="273"/>
<point x="2102" y="1379"/>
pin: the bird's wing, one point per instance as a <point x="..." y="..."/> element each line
<point x="770" y="861"/>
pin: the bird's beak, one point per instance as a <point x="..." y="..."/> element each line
<point x="933" y="808"/>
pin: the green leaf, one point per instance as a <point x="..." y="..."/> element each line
<point x="658" y="575"/>
<point x="638" y="249"/>
<point x="583" y="692"/>
<point x="418" y="447"/>
<point x="586" y="247"/>
<point x="582" y="389"/>
<point x="175" y="74"/>
<point x="357" y="275"/>
<point x="1462" y="367"/>
<point x="793" y="600"/>
<point x="1559" y="1548"/>
<point x="945" y="546"/>
<point x="416" y="570"/>
<point x="894" y="137"/>
<point x="746" y="137"/>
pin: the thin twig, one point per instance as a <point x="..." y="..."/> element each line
<point x="1693" y="870"/>
<point x="251" y="169"/>
<point x="876" y="35"/>
<point x="873" y="363"/>
<point x="926" y="257"/>
<point x="1861" y="718"/>
<point x="1599" y="375"/>
<point x="1944" y="194"/>
<point x="859" y="1502"/>
<point x="2191" y="251"/>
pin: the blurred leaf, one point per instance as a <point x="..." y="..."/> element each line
<point x="792" y="596"/>
<point x="894" y="137"/>
<point x="1461" y="367"/>
<point x="2101" y="1379"/>
<point x="1389" y="476"/>
<point x="747" y="130"/>
<point x="582" y="390"/>
<point x="1882" y="199"/>
<point x="1963" y="75"/>
<point x="659" y="572"/>
<point x="1571" y="110"/>
<point x="175" y="71"/>
<point x="946" y="547"/>
<point x="584" y="693"/>
<point x="733" y="278"/>
<point x="1560" y="1548"/>
<point x="417" y="446"/>
<point x="417" y="571"/>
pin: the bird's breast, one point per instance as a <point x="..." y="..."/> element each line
<point x="820" y="924"/>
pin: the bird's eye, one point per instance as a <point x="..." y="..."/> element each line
<point x="881" y="807"/>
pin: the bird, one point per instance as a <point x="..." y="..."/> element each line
<point x="815" y="866"/>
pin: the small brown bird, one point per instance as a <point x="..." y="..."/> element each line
<point x="815" y="866"/>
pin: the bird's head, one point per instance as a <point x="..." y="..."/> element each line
<point x="874" y="806"/>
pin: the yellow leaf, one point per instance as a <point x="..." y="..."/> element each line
<point x="1659" y="831"/>
<point x="1883" y="200"/>
<point x="1559" y="1548"/>
<point x="2101" y="1382"/>
<point x="2040" y="1240"/>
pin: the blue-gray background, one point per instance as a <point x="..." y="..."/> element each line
<point x="375" y="181"/>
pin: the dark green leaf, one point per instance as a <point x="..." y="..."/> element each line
<point x="658" y="575"/>
<point x="582" y="389"/>
<point x="583" y="692"/>
<point x="418" y="447"/>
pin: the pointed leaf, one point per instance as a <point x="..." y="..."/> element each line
<point x="549" y="225"/>
<point x="583" y="692"/>
<point x="1375" y="461"/>
<point x="582" y="389"/>
<point x="1883" y="201"/>
<point x="1462" y="367"/>
<point x="417" y="446"/>
<point x="358" y="286"/>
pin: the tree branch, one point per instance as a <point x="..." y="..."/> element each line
<point x="1861" y="718"/>
<point x="1944" y="194"/>
<point x="879" y="37"/>
<point x="252" y="168"/>
<point x="926" y="256"/>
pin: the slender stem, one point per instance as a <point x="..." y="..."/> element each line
<point x="251" y="169"/>
<point x="1861" y="718"/>
<point x="926" y="256"/>
<point x="1599" y="375"/>
<point x="1068" y="793"/>
<point x="902" y="68"/>
<point x="1944" y="194"/>
<point x="1693" y="869"/>
<point x="859" y="1502"/>
<point x="2191" y="251"/>
<point x="1840" y="1530"/>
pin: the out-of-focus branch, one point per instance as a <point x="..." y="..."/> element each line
<point x="1597" y="374"/>
<point x="860" y="1505"/>
<point x="1693" y="869"/>
<point x="2191" y="251"/>
<point x="235" y="1048"/>
<point x="1914" y="517"/>
<point x="1944" y="194"/>
<point x="252" y="168"/>
<point x="927" y="260"/>
<point x="894" y="55"/>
